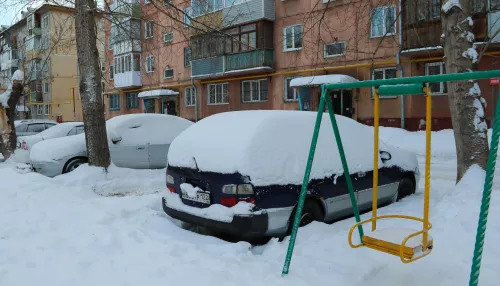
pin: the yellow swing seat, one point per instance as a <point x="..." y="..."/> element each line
<point x="406" y="243"/>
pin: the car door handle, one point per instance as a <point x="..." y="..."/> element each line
<point x="140" y="147"/>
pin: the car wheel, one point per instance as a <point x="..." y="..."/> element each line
<point x="405" y="189"/>
<point x="73" y="164"/>
<point x="310" y="212"/>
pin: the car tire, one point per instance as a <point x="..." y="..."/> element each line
<point x="311" y="211"/>
<point x="73" y="164"/>
<point x="405" y="188"/>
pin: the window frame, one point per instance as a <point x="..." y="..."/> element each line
<point x="192" y="95"/>
<point x="285" y="49"/>
<point x="442" y="87"/>
<point x="45" y="87"/>
<point x="285" y="90"/>
<point x="384" y="28"/>
<point x="113" y="100"/>
<point x="128" y="102"/>
<point x="146" y="30"/>
<point x="187" y="62"/>
<point x="150" y="63"/>
<point x="336" y="55"/>
<point x="46" y="109"/>
<point x="171" y="41"/>
<point x="384" y="70"/>
<point x="224" y="87"/>
<point x="111" y="72"/>
<point x="188" y="12"/>
<point x="168" y="68"/>
<point x="258" y="81"/>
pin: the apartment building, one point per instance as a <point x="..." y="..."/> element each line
<point x="241" y="55"/>
<point x="43" y="45"/>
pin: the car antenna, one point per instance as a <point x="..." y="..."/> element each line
<point x="197" y="169"/>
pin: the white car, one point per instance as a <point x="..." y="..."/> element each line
<point x="25" y="143"/>
<point x="137" y="141"/>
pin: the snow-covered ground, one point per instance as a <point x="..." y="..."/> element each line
<point x="60" y="232"/>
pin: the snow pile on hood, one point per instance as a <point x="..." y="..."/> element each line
<point x="146" y="128"/>
<point x="116" y="181"/>
<point x="272" y="146"/>
<point x="58" y="148"/>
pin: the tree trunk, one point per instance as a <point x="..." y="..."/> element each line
<point x="90" y="84"/>
<point x="7" y="116"/>
<point x="464" y="97"/>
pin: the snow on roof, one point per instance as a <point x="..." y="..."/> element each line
<point x="321" y="79"/>
<point x="272" y="146"/>
<point x="146" y="128"/>
<point x="157" y="92"/>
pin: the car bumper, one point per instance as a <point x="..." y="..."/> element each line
<point x="245" y="227"/>
<point x="49" y="169"/>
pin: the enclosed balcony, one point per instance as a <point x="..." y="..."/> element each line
<point x="127" y="71"/>
<point x="249" y="60"/>
<point x="123" y="9"/>
<point x="9" y="59"/>
<point x="128" y="30"/>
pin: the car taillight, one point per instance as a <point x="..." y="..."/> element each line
<point x="172" y="189"/>
<point x="231" y="202"/>
<point x="24" y="146"/>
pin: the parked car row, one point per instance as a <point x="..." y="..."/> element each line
<point x="139" y="141"/>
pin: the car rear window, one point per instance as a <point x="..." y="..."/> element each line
<point x="21" y="128"/>
<point x="36" y="127"/>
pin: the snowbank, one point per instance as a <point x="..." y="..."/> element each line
<point x="116" y="181"/>
<point x="272" y="146"/>
<point x="146" y="128"/>
<point x="58" y="148"/>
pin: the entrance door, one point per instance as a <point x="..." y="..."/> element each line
<point x="149" y="105"/>
<point x="170" y="107"/>
<point x="342" y="102"/>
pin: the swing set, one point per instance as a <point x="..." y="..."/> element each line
<point x="408" y="244"/>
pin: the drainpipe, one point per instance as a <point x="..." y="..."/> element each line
<point x="398" y="63"/>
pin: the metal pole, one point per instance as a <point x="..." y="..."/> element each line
<point x="427" y="190"/>
<point x="376" y="103"/>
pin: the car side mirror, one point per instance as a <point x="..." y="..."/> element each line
<point x="385" y="156"/>
<point x="116" y="139"/>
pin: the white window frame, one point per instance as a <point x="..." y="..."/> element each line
<point x="224" y="88"/>
<point x="39" y="109"/>
<point x="441" y="71"/>
<point x="285" y="90"/>
<point x="285" y="49"/>
<point x="336" y="55"/>
<point x="46" y="109"/>
<point x="150" y="64"/>
<point x="192" y="95"/>
<point x="383" y="69"/>
<point x="384" y="28"/>
<point x="46" y="87"/>
<point x="45" y="27"/>
<point x="169" y="76"/>
<point x="171" y="40"/>
<point x="146" y="30"/>
<point x="111" y="72"/>
<point x="259" y="90"/>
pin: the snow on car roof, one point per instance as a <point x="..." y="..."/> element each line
<point x="59" y="130"/>
<point x="272" y="146"/>
<point x="146" y="128"/>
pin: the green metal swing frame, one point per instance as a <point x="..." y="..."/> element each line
<point x="399" y="86"/>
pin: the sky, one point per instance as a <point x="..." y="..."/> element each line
<point x="10" y="11"/>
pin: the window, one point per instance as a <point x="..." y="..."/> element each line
<point x="290" y="92"/>
<point x="383" y="21"/>
<point x="127" y="63"/>
<point x="242" y="39"/>
<point x="111" y="72"/>
<point x="190" y="96"/>
<point x="494" y="4"/>
<point x="38" y="112"/>
<point x="384" y="73"/>
<point x="187" y="57"/>
<point x="37" y="127"/>
<point x="218" y="94"/>
<point x="76" y="130"/>
<point x="334" y="49"/>
<point x="168" y="38"/>
<point x="254" y="90"/>
<point x="187" y="16"/>
<point x="114" y="102"/>
<point x="45" y="24"/>
<point x="434" y="69"/>
<point x="46" y="65"/>
<point x="149" y="30"/>
<point x="168" y="73"/>
<point x="46" y="109"/>
<point x="46" y="87"/>
<point x="150" y="64"/>
<point x="292" y="38"/>
<point x="132" y="100"/>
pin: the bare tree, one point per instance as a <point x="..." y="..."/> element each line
<point x="466" y="104"/>
<point x="90" y="83"/>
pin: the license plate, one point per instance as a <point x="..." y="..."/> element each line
<point x="200" y="197"/>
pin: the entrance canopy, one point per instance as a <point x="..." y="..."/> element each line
<point x="319" y="80"/>
<point x="157" y="93"/>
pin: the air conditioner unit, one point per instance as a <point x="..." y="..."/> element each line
<point x="494" y="26"/>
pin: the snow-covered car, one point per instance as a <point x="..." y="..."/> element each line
<point x="137" y="141"/>
<point x="24" y="143"/>
<point x="32" y="126"/>
<point x="240" y="172"/>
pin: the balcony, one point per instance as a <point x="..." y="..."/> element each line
<point x="128" y="79"/>
<point x="127" y="31"/>
<point x="126" y="9"/>
<point x="33" y="46"/>
<point x="252" y="60"/>
<point x="9" y="60"/>
<point x="249" y="60"/>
